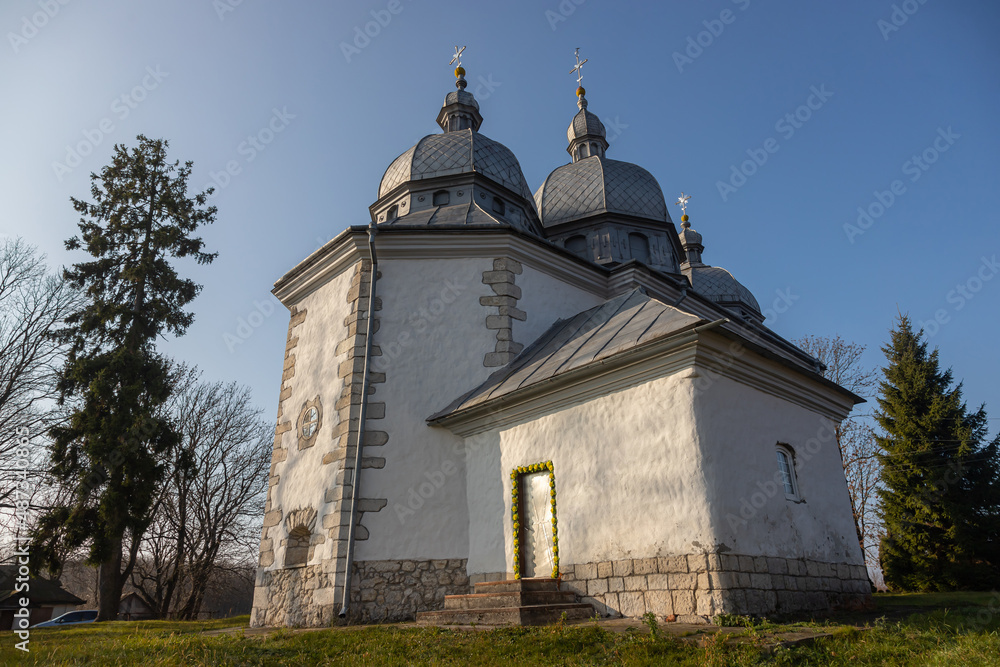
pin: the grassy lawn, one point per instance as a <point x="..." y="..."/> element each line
<point x="947" y="629"/>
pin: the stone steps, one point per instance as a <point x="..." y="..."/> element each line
<point x="512" y="602"/>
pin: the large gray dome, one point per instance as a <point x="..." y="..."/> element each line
<point x="598" y="185"/>
<point x="456" y="152"/>
<point x="721" y="287"/>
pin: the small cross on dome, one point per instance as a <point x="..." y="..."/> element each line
<point x="579" y="68"/>
<point x="456" y="59"/>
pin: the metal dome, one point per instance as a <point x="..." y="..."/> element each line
<point x="456" y="152"/>
<point x="585" y="123"/>
<point x="721" y="287"/>
<point x="599" y="185"/>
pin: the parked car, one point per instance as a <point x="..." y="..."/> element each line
<point x="69" y="618"/>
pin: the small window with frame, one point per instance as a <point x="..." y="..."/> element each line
<point x="786" y="471"/>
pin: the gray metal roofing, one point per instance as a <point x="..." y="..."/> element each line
<point x="458" y="152"/>
<point x="720" y="286"/>
<point x="584" y="123"/>
<point x="597" y="185"/>
<point x="617" y="325"/>
<point x="468" y="213"/>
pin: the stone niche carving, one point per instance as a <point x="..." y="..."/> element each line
<point x="299" y="525"/>
<point x="309" y="423"/>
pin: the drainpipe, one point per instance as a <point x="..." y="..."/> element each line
<point x="356" y="477"/>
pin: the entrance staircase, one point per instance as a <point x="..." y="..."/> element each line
<point x="511" y="602"/>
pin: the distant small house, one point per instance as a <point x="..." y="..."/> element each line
<point x="46" y="599"/>
<point x="133" y="608"/>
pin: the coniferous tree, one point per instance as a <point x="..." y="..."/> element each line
<point x="110" y="454"/>
<point x="940" y="499"/>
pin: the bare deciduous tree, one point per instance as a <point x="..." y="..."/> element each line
<point x="32" y="303"/>
<point x="855" y="435"/>
<point x="209" y="512"/>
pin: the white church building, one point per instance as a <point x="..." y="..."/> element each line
<point x="557" y="388"/>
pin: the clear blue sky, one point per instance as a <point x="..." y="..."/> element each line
<point x="208" y="75"/>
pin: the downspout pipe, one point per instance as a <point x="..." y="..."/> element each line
<point x="356" y="477"/>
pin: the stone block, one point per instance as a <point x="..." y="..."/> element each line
<point x="730" y="563"/>
<point x="644" y="566"/>
<point x="777" y="566"/>
<point x="515" y="313"/>
<point x="376" y="438"/>
<point x="507" y="289"/>
<point x="376" y="462"/>
<point x="672" y="564"/>
<point x="683" y="602"/>
<point x="495" y="277"/>
<point x="631" y="604"/>
<point x="604" y="569"/>
<point x="494" y="359"/>
<point x="507" y="264"/>
<point x="760" y="565"/>
<point x="266" y="558"/>
<point x="659" y="602"/>
<point x="622" y="568"/>
<point x="709" y="604"/>
<point x="704" y="584"/>
<point x="586" y="571"/>
<point x="509" y="346"/>
<point x="577" y="586"/>
<point x="714" y="562"/>
<point x="658" y="581"/>
<point x="762" y="581"/>
<point x="597" y="586"/>
<point x="812" y="568"/>
<point x="371" y="504"/>
<point x="697" y="563"/>
<point x="611" y="605"/>
<point x="635" y="583"/>
<point x="497" y="300"/>
<point x="746" y="564"/>
<point x="272" y="518"/>
<point x="683" y="582"/>
<point x="499" y="322"/>
<point x="616" y="584"/>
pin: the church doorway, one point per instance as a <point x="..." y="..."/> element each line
<point x="536" y="544"/>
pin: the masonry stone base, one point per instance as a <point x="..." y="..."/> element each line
<point x="381" y="590"/>
<point x="696" y="588"/>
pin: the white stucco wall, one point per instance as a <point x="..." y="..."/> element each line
<point x="629" y="479"/>
<point x="738" y="429"/>
<point x="433" y="337"/>
<point x="546" y="299"/>
<point x="303" y="477"/>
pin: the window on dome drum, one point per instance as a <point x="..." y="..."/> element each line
<point x="297" y="547"/>
<point x="498" y="206"/>
<point x="577" y="245"/>
<point x="639" y="245"/>
<point x="392" y="213"/>
<point x="441" y="198"/>
<point x="786" y="471"/>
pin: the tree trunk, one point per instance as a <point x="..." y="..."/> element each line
<point x="110" y="583"/>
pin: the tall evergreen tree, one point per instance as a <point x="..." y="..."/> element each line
<point x="111" y="452"/>
<point x="940" y="498"/>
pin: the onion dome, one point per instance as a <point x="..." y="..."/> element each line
<point x="714" y="282"/>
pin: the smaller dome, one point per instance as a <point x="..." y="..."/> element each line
<point x="688" y="236"/>
<point x="585" y="123"/>
<point x="598" y="185"/>
<point x="721" y="287"/>
<point x="460" y="97"/>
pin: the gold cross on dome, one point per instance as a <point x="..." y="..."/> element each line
<point x="579" y="68"/>
<point x="682" y="201"/>
<point x="456" y="60"/>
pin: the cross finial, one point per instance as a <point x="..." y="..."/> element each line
<point x="579" y="68"/>
<point x="682" y="201"/>
<point x="456" y="60"/>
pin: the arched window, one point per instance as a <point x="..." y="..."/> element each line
<point x="297" y="547"/>
<point x="577" y="245"/>
<point x="392" y="213"/>
<point x="639" y="245"/>
<point x="786" y="472"/>
<point x="498" y="206"/>
<point x="441" y="198"/>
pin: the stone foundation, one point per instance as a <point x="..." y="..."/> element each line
<point x="295" y="597"/>
<point x="696" y="588"/>
<point x="394" y="590"/>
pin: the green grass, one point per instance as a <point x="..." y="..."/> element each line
<point x="950" y="629"/>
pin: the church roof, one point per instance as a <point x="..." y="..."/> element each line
<point x="456" y="152"/>
<point x="592" y="336"/>
<point x="599" y="185"/>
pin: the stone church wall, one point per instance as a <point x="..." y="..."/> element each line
<point x="697" y="587"/>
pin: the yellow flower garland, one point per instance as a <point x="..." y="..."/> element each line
<point x="515" y="520"/>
